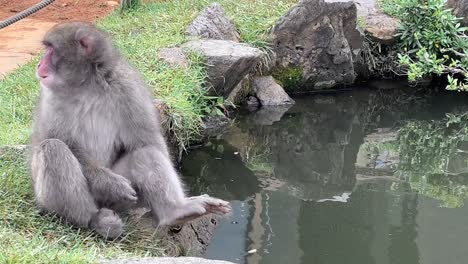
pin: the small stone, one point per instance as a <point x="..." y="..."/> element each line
<point x="213" y="24"/>
<point x="174" y="57"/>
<point x="252" y="100"/>
<point x="269" y="92"/>
<point x="112" y="3"/>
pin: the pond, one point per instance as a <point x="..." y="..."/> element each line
<point x="374" y="175"/>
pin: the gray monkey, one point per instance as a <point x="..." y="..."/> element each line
<point x="97" y="142"/>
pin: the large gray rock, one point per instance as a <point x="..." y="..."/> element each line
<point x="320" y="39"/>
<point x="179" y="260"/>
<point x="380" y="27"/>
<point x="269" y="92"/>
<point x="460" y="9"/>
<point x="213" y="24"/>
<point x="228" y="62"/>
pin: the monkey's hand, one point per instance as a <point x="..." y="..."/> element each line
<point x="111" y="188"/>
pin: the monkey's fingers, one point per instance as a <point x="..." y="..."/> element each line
<point x="132" y="198"/>
<point x="216" y="206"/>
<point x="125" y="193"/>
<point x="219" y="210"/>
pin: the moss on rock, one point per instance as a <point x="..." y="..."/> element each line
<point x="290" y="78"/>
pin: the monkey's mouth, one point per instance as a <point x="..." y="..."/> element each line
<point x="42" y="78"/>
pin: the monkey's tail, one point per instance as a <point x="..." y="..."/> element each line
<point x="25" y="13"/>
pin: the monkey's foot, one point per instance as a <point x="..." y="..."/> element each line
<point x="211" y="204"/>
<point x="198" y="206"/>
<point x="107" y="224"/>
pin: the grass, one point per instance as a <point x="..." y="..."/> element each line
<point x="391" y="7"/>
<point x="28" y="237"/>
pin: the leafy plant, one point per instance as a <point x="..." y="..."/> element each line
<point x="431" y="40"/>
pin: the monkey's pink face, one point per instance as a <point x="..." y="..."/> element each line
<point x="44" y="68"/>
<point x="47" y="71"/>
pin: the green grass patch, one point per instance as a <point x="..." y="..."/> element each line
<point x="18" y="93"/>
<point x="139" y="32"/>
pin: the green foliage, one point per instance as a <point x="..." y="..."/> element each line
<point x="361" y="22"/>
<point x="431" y="40"/>
<point x="289" y="78"/>
<point x="130" y="4"/>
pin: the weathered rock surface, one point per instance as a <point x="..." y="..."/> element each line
<point x="269" y="92"/>
<point x="320" y="38"/>
<point x="179" y="260"/>
<point x="174" y="57"/>
<point x="213" y="24"/>
<point x="238" y="94"/>
<point x="192" y="239"/>
<point x="380" y="26"/>
<point x="228" y="62"/>
<point x="460" y="9"/>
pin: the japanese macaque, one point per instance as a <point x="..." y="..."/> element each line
<point x="97" y="142"/>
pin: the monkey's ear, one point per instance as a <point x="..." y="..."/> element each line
<point x="86" y="42"/>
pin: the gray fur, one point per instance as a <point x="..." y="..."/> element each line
<point x="97" y="139"/>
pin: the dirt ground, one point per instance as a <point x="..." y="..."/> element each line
<point x="20" y="41"/>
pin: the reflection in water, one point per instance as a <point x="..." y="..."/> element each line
<point x="329" y="181"/>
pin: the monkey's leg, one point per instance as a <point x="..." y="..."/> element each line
<point x="158" y="183"/>
<point x="61" y="188"/>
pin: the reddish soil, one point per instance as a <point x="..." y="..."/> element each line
<point x="60" y="10"/>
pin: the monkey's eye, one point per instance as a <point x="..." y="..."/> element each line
<point x="46" y="43"/>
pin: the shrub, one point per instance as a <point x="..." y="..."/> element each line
<point x="431" y="40"/>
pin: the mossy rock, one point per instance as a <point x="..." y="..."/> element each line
<point x="289" y="78"/>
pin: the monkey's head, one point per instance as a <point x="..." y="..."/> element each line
<point x="75" y="53"/>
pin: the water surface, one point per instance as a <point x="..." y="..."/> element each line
<point x="368" y="176"/>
